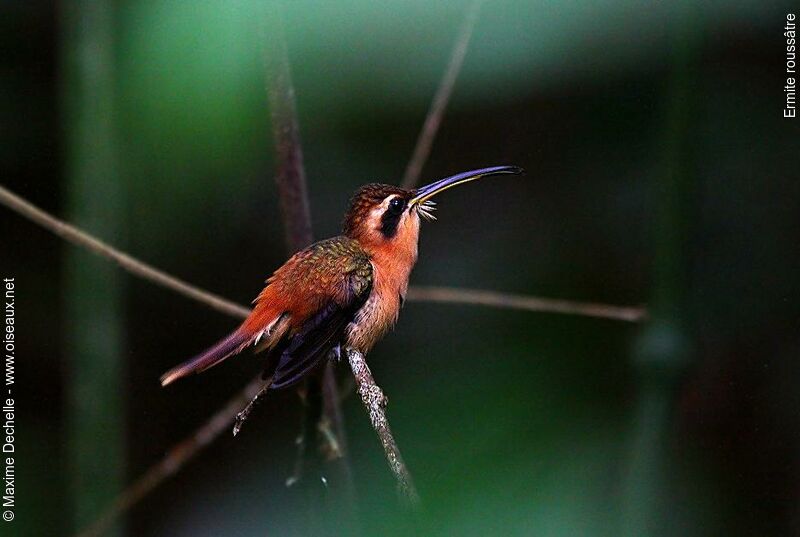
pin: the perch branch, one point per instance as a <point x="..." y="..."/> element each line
<point x="375" y="402"/>
<point x="439" y="104"/>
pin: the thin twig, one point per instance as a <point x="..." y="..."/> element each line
<point x="174" y="460"/>
<point x="375" y="402"/>
<point x="134" y="266"/>
<point x="439" y="104"/>
<point x="495" y="299"/>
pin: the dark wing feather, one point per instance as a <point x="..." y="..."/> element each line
<point x="307" y="349"/>
<point x="311" y="344"/>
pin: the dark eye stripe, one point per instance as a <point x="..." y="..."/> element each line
<point x="390" y="218"/>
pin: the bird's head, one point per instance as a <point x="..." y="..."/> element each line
<point x="382" y="216"/>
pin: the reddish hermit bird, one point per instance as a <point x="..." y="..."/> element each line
<point x="338" y="293"/>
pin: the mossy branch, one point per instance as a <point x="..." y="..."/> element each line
<point x="375" y="402"/>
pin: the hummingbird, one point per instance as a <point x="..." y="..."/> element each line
<point x="338" y="293"/>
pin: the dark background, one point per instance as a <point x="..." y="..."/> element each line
<point x="637" y="125"/>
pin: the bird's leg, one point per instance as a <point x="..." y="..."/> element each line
<point x="245" y="412"/>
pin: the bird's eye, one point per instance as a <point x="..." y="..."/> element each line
<point x="396" y="205"/>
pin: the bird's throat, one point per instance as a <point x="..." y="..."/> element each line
<point x="392" y="262"/>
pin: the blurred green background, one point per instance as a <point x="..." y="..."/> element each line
<point x="660" y="171"/>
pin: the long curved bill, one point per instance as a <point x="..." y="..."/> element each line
<point x="422" y="194"/>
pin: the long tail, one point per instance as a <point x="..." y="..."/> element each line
<point x="233" y="344"/>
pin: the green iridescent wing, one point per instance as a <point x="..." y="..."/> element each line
<point x="341" y="263"/>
